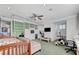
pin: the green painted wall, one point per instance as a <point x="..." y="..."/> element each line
<point x="26" y="25"/>
<point x="18" y="28"/>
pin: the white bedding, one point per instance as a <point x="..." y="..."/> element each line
<point x="8" y="41"/>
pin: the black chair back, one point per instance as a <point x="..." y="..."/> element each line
<point x="70" y="43"/>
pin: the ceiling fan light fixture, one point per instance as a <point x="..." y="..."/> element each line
<point x="36" y="17"/>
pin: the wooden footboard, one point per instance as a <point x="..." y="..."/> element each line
<point x="21" y="48"/>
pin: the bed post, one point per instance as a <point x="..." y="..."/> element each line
<point x="29" y="48"/>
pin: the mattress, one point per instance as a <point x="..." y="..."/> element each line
<point x="8" y="41"/>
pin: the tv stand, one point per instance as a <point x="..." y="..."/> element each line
<point x="46" y="39"/>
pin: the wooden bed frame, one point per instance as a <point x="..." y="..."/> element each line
<point x="4" y="36"/>
<point x="20" y="48"/>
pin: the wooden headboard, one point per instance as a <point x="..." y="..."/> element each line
<point x="4" y="36"/>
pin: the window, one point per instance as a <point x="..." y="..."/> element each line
<point x="60" y="26"/>
<point x="63" y="26"/>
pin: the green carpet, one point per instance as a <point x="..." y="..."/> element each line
<point x="51" y="49"/>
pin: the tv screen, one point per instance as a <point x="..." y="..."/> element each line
<point x="47" y="29"/>
<point x="32" y="31"/>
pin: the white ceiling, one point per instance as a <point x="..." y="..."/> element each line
<point x="25" y="10"/>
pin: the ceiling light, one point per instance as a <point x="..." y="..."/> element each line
<point x="9" y="8"/>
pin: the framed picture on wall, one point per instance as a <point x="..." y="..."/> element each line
<point x="4" y="29"/>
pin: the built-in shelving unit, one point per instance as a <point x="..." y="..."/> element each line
<point x="18" y="26"/>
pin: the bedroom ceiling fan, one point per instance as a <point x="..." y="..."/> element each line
<point x="36" y="17"/>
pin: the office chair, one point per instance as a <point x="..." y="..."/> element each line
<point x="70" y="46"/>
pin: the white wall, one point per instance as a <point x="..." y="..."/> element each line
<point x="40" y="28"/>
<point x="53" y="31"/>
<point x="77" y="23"/>
<point x="71" y="27"/>
<point x="47" y="34"/>
<point x="28" y="33"/>
<point x="31" y="35"/>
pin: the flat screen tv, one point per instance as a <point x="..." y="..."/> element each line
<point x="32" y="31"/>
<point x="47" y="29"/>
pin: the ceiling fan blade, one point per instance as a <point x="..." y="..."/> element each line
<point x="40" y="16"/>
<point x="31" y="16"/>
<point x="34" y="15"/>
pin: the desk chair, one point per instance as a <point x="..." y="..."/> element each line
<point x="70" y="46"/>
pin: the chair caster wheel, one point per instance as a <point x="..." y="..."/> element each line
<point x="66" y="51"/>
<point x="56" y="44"/>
